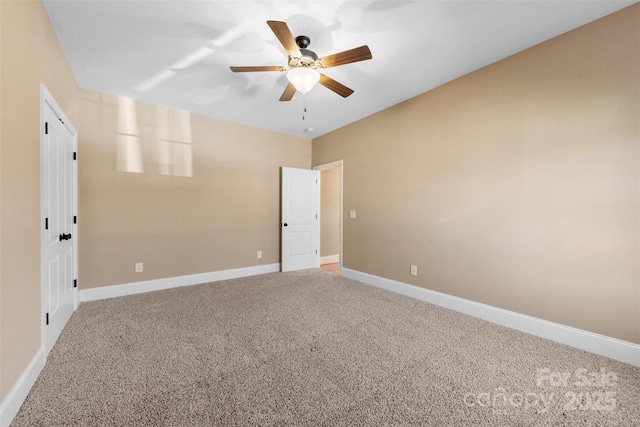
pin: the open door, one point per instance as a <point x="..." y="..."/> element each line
<point x="300" y="225"/>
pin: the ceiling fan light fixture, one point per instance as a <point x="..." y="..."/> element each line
<point x="303" y="78"/>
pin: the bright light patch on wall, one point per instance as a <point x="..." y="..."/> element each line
<point x="172" y="151"/>
<point x="129" y="147"/>
<point x="127" y="118"/>
<point x="129" y="154"/>
<point x="182" y="160"/>
<point x="162" y="145"/>
<point x="154" y="139"/>
<point x="180" y="126"/>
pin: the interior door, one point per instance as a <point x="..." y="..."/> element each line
<point x="300" y="219"/>
<point x="58" y="145"/>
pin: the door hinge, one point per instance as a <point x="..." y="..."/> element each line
<point x="316" y="251"/>
<point x="47" y="319"/>
<point x="46" y="128"/>
<point x="46" y="223"/>
<point x="75" y="219"/>
<point x="74" y="155"/>
<point x="75" y="283"/>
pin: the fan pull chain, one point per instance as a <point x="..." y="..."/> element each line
<point x="304" y="106"/>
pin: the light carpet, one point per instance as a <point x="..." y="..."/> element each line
<point x="311" y="348"/>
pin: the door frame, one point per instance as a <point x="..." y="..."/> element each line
<point x="48" y="101"/>
<point x="332" y="165"/>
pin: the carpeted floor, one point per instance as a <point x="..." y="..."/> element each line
<point x="311" y="348"/>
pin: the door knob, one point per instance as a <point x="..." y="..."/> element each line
<point x="65" y="237"/>
<point x="285" y="224"/>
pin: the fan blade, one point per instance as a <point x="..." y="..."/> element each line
<point x="282" y="32"/>
<point x="257" y="68"/>
<point x="338" y="88"/>
<point x="288" y="93"/>
<point x="361" y="53"/>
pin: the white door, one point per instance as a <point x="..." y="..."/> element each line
<point x="300" y="219"/>
<point x="59" y="236"/>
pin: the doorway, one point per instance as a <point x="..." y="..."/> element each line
<point x="331" y="188"/>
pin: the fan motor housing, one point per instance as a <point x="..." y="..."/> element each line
<point x="308" y="58"/>
<point x="306" y="53"/>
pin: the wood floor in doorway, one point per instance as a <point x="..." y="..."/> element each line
<point x="331" y="268"/>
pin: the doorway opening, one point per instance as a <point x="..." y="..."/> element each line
<point x="331" y="213"/>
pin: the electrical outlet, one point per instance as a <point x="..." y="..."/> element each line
<point x="139" y="267"/>
<point x="259" y="254"/>
<point x="414" y="270"/>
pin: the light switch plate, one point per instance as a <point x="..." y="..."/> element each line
<point x="352" y="214"/>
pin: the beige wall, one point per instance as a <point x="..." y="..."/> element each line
<point x="208" y="198"/>
<point x="329" y="211"/>
<point x="515" y="186"/>
<point x="30" y="55"/>
<point x="215" y="219"/>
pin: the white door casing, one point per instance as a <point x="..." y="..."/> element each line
<point x="300" y="219"/>
<point x="59" y="219"/>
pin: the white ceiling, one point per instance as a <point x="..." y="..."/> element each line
<point x="178" y="53"/>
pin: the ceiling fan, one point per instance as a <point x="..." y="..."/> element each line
<point x="304" y="64"/>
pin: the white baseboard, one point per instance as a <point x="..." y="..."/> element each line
<point x="602" y="345"/>
<point x="329" y="259"/>
<point x="14" y="400"/>
<point x="113" y="291"/>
